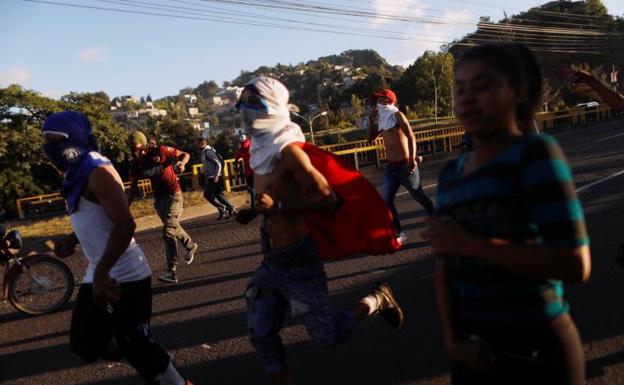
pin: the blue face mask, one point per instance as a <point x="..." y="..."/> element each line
<point x="75" y="155"/>
<point x="261" y="105"/>
<point x="63" y="153"/>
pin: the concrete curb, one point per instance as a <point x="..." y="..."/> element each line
<point x="152" y="221"/>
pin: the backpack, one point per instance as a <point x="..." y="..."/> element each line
<point x="219" y="157"/>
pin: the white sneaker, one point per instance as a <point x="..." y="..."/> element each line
<point x="401" y="237"/>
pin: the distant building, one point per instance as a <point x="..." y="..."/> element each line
<point x="193" y="111"/>
<point x="155" y="112"/>
<point x="128" y="99"/>
<point x="190" y="98"/>
<point x="215" y="100"/>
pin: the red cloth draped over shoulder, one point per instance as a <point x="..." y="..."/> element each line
<point x="360" y="223"/>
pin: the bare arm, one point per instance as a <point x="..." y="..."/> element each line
<point x="318" y="196"/>
<point x="411" y="139"/>
<point x="612" y="98"/>
<point x="373" y="131"/>
<point x="535" y="261"/>
<point x="106" y="186"/>
<point x="182" y="159"/>
<point x="568" y="264"/>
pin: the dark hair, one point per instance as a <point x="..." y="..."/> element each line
<point x="518" y="65"/>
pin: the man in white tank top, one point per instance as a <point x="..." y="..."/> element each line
<point x="115" y="297"/>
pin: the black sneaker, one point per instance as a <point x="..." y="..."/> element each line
<point x="221" y="214"/>
<point x="388" y="307"/>
<point x="190" y="254"/>
<point x="169" y="277"/>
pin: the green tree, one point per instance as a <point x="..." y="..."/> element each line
<point x="23" y="168"/>
<point x="429" y="82"/>
<point x="595" y="8"/>
<point x="179" y="134"/>
<point x="225" y="143"/>
<point x="207" y="89"/>
<point x="356" y="106"/>
<point x="111" y="136"/>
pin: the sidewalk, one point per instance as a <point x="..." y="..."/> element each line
<point x="149" y="222"/>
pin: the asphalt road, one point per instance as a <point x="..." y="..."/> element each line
<point x="201" y="320"/>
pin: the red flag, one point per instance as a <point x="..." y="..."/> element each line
<point x="360" y="223"/>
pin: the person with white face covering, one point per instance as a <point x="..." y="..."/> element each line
<point x="400" y="143"/>
<point x="291" y="279"/>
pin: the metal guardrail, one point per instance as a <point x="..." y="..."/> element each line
<point x="358" y="152"/>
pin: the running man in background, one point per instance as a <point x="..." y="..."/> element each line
<point x="115" y="297"/>
<point x="291" y="278"/>
<point x="213" y="179"/>
<point x="160" y="164"/>
<point x="243" y="154"/>
<point x="400" y="144"/>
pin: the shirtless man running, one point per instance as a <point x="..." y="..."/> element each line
<point x="400" y="143"/>
<point x="291" y="278"/>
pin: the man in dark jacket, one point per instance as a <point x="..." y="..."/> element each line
<point x="213" y="172"/>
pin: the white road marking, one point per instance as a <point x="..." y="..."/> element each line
<point x="596" y="182"/>
<point x="578" y="190"/>
<point x="608" y="137"/>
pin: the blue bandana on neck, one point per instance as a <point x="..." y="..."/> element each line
<point x="76" y="155"/>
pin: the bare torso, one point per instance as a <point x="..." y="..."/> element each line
<point x="284" y="229"/>
<point x="396" y="144"/>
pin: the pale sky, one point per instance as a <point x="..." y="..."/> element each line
<point x="55" y="49"/>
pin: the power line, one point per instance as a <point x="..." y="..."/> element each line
<point x="524" y="37"/>
<point x="239" y="22"/>
<point x="323" y="7"/>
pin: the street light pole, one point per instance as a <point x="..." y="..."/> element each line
<point x="310" y="121"/>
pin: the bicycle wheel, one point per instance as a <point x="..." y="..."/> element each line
<point x="51" y="288"/>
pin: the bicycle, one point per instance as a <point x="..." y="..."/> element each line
<point x="36" y="284"/>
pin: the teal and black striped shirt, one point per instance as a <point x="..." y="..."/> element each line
<point x="526" y="195"/>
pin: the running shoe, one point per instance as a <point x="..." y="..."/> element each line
<point x="388" y="307"/>
<point x="190" y="254"/>
<point x="401" y="237"/>
<point x="169" y="277"/>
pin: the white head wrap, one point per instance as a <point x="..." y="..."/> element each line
<point x="269" y="131"/>
<point x="387" y="118"/>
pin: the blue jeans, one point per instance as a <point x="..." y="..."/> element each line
<point x="291" y="280"/>
<point x="396" y="175"/>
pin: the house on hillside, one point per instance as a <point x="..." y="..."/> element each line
<point x="154" y="112"/>
<point x="128" y="99"/>
<point x="190" y="98"/>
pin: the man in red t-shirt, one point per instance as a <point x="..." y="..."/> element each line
<point x="243" y="154"/>
<point x="159" y="163"/>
